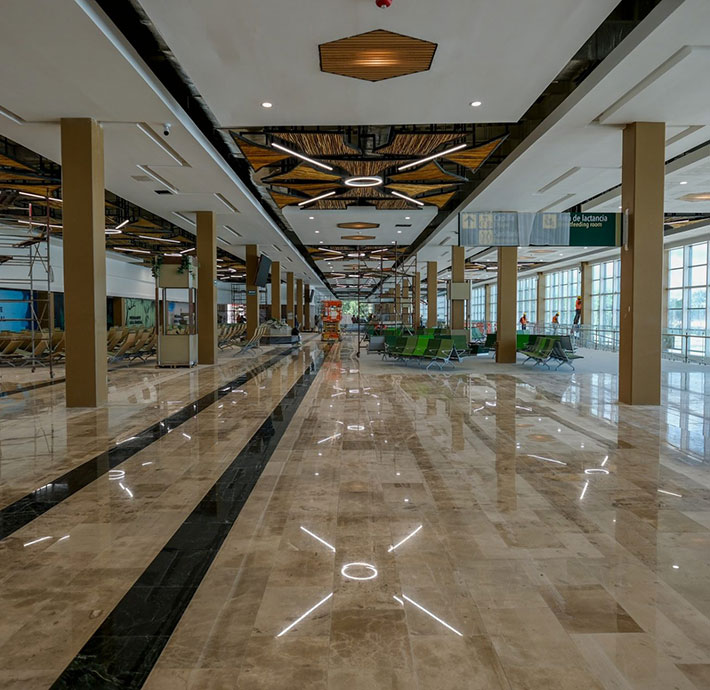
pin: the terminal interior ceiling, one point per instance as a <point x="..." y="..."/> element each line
<point x="295" y="388"/>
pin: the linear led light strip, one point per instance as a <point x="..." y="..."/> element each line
<point x="428" y="613"/>
<point x="130" y="249"/>
<point x="301" y="156"/>
<point x="307" y="613"/>
<point x="407" y="198"/>
<point x="182" y="216"/>
<point x="42" y="197"/>
<point x="159" y="143"/>
<point x="432" y="157"/>
<point x="316" y="198"/>
<point x="158" y="178"/>
<point x="159" y="239"/>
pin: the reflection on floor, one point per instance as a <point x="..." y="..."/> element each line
<point x="483" y="529"/>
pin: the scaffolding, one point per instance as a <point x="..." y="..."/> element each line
<point x="31" y="250"/>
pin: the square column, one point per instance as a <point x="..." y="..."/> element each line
<point x="289" y="299"/>
<point x="299" y="302"/>
<point x="540" y="306"/>
<point x="506" y="342"/>
<point x="252" y="257"/>
<point x="276" y="290"/>
<point x="431" y="275"/>
<point x="307" y="308"/>
<point x="84" y="244"/>
<point x="457" y="309"/>
<point x="585" y="271"/>
<point x="416" y="300"/>
<point x="642" y="172"/>
<point x="206" y="287"/>
<point x="487" y="306"/>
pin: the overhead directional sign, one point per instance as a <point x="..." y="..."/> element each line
<point x="511" y="229"/>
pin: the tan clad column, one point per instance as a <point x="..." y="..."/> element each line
<point x="488" y="304"/>
<point x="276" y="290"/>
<point x="299" y="302"/>
<point x="585" y="270"/>
<point x="307" y="308"/>
<point x="642" y="172"/>
<point x="431" y="275"/>
<point x="252" y="290"/>
<point x="416" y="300"/>
<point x="540" y="307"/>
<point x="289" y="299"/>
<point x="458" y="275"/>
<point x="506" y="342"/>
<point x="206" y="287"/>
<point x="84" y="244"/>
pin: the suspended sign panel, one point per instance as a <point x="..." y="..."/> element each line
<point x="510" y="229"/>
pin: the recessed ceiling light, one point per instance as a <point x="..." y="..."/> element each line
<point x="321" y="242"/>
<point x="407" y="218"/>
<point x="317" y="232"/>
<point x="266" y="104"/>
<point x="475" y="104"/>
<point x="399" y="232"/>
<point x="684" y="182"/>
<point x="311" y="217"/>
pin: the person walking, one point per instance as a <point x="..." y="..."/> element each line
<point x="555" y="322"/>
<point x="524" y="322"/>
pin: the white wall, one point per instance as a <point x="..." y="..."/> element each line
<point x="123" y="277"/>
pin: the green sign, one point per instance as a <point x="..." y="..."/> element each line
<point x="595" y="229"/>
<point x="513" y="229"/>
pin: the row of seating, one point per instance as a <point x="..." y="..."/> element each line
<point x="434" y="351"/>
<point x="230" y="335"/>
<point x="127" y="343"/>
<point x="542" y="349"/>
<point x="22" y="348"/>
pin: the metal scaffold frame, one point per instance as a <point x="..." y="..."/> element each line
<point x="36" y="242"/>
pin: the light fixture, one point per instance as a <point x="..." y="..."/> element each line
<point x="158" y="178"/>
<point x="683" y="182"/>
<point x="407" y="198"/>
<point x="475" y="104"/>
<point x="316" y="198"/>
<point x="399" y="232"/>
<point x="301" y="156"/>
<point x="266" y="104"/>
<point x="372" y="571"/>
<point x="317" y="232"/>
<point x="407" y="218"/>
<point x="185" y="251"/>
<point x="148" y="131"/>
<point x="311" y="217"/>
<point x="363" y="181"/>
<point x="432" y="157"/>
<point x="159" y="239"/>
<point x="232" y="230"/>
<point x="123" y="224"/>
<point x="42" y="197"/>
<point x="184" y="218"/>
<point x="112" y="231"/>
<point x="130" y="249"/>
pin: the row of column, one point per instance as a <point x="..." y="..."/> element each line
<point x="642" y="191"/>
<point x="84" y="250"/>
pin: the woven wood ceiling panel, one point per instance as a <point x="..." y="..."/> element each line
<point x="6" y="162"/>
<point x="364" y="167"/>
<point x="439" y="200"/>
<point x="282" y="200"/>
<point x="311" y="189"/>
<point x="302" y="172"/>
<point x="474" y="158"/>
<point x="260" y="156"/>
<point x="393" y="204"/>
<point x="318" y="144"/>
<point x="376" y="55"/>
<point x="429" y="172"/>
<point x="417" y="144"/>
<point x="415" y="189"/>
<point x="328" y="205"/>
<point x="33" y="188"/>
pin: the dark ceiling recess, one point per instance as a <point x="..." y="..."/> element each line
<point x="133" y="22"/>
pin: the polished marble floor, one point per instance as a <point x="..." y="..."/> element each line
<point x="379" y="527"/>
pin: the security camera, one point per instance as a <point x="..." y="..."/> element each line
<point x="166" y="129"/>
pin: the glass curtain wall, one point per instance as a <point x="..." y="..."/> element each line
<point x="527" y="298"/>
<point x="478" y="304"/>
<point x="606" y="290"/>
<point x="494" y="303"/>
<point x="687" y="295"/>
<point x="561" y="290"/>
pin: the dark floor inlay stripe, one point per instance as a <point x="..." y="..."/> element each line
<point x="123" y="651"/>
<point x="39" y="501"/>
<point x="30" y="387"/>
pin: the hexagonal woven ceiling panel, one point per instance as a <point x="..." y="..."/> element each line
<point x="376" y="55"/>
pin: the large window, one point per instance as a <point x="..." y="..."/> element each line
<point x="478" y="304"/>
<point x="605" y="294"/>
<point x="494" y="303"/>
<point x="688" y="295"/>
<point x="527" y="298"/>
<point x="561" y="291"/>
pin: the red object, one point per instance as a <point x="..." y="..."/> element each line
<point x="383" y="3"/>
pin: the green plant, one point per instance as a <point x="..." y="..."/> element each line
<point x="186" y="265"/>
<point x="155" y="265"/>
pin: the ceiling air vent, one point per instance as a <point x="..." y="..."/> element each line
<point x="403" y="225"/>
<point x="162" y="191"/>
<point x="141" y="178"/>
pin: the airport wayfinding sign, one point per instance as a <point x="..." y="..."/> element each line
<point x="512" y="229"/>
